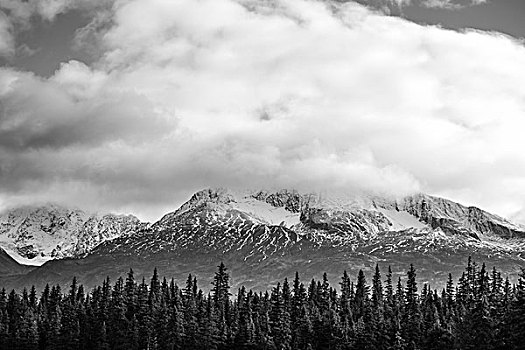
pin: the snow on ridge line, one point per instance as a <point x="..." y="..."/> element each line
<point x="401" y="220"/>
<point x="33" y="235"/>
<point x="266" y="212"/>
<point x="246" y="201"/>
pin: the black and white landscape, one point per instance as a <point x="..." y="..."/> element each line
<point x="263" y="237"/>
<point x="262" y="174"/>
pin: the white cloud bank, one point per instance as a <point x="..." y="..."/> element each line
<point x="7" y="41"/>
<point x="279" y="93"/>
<point x="450" y="4"/>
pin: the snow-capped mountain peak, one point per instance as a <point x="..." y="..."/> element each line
<point x="35" y="234"/>
<point x="259" y="231"/>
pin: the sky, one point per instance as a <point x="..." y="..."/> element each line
<point x="130" y="106"/>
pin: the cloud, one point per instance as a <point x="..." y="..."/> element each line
<point x="279" y="93"/>
<point x="390" y="7"/>
<point x="7" y="43"/>
<point x="22" y="11"/>
<point x="395" y="7"/>
<point x="17" y="18"/>
<point x="67" y="110"/>
<point x="451" y="4"/>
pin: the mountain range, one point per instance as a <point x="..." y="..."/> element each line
<point x="262" y="236"/>
<point x="36" y="234"/>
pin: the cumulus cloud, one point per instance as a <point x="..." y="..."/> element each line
<point x="22" y="11"/>
<point x="395" y="7"/>
<point x="7" y="42"/>
<point x="68" y="110"/>
<point x="452" y="4"/>
<point x="18" y="17"/>
<point x="389" y="7"/>
<point x="279" y="93"/>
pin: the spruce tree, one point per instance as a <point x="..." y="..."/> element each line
<point x="377" y="289"/>
<point x="221" y="303"/>
<point x="4" y="319"/>
<point x="130" y="295"/>
<point x="411" y="318"/>
<point x="118" y="328"/>
<point x="279" y="320"/>
<point x="517" y="314"/>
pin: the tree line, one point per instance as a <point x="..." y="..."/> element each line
<point x="481" y="311"/>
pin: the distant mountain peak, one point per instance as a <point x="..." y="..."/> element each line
<point x="262" y="231"/>
<point x="289" y="207"/>
<point x="35" y="234"/>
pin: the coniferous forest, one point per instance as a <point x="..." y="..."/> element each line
<point x="479" y="311"/>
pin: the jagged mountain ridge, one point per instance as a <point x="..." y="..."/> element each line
<point x="264" y="236"/>
<point x="35" y="234"/>
<point x="227" y="220"/>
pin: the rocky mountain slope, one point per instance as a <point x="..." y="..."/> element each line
<point x="9" y="266"/>
<point x="273" y="223"/>
<point x="266" y="236"/>
<point x="34" y="235"/>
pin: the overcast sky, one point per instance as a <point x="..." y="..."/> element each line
<point x="132" y="105"/>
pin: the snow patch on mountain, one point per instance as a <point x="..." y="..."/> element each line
<point x="34" y="235"/>
<point x="267" y="213"/>
<point x="262" y="223"/>
<point x="258" y="225"/>
<point x="13" y="252"/>
<point x="401" y="220"/>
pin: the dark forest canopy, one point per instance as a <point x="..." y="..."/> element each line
<point x="480" y="311"/>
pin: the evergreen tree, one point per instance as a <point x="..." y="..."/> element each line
<point x="118" y="327"/>
<point x="483" y="312"/>
<point x="4" y="320"/>
<point x="517" y="314"/>
<point x="130" y="295"/>
<point x="361" y="299"/>
<point x="221" y="303"/>
<point x="70" y="326"/>
<point x="377" y="289"/>
<point x="279" y="320"/>
<point x="411" y="316"/>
